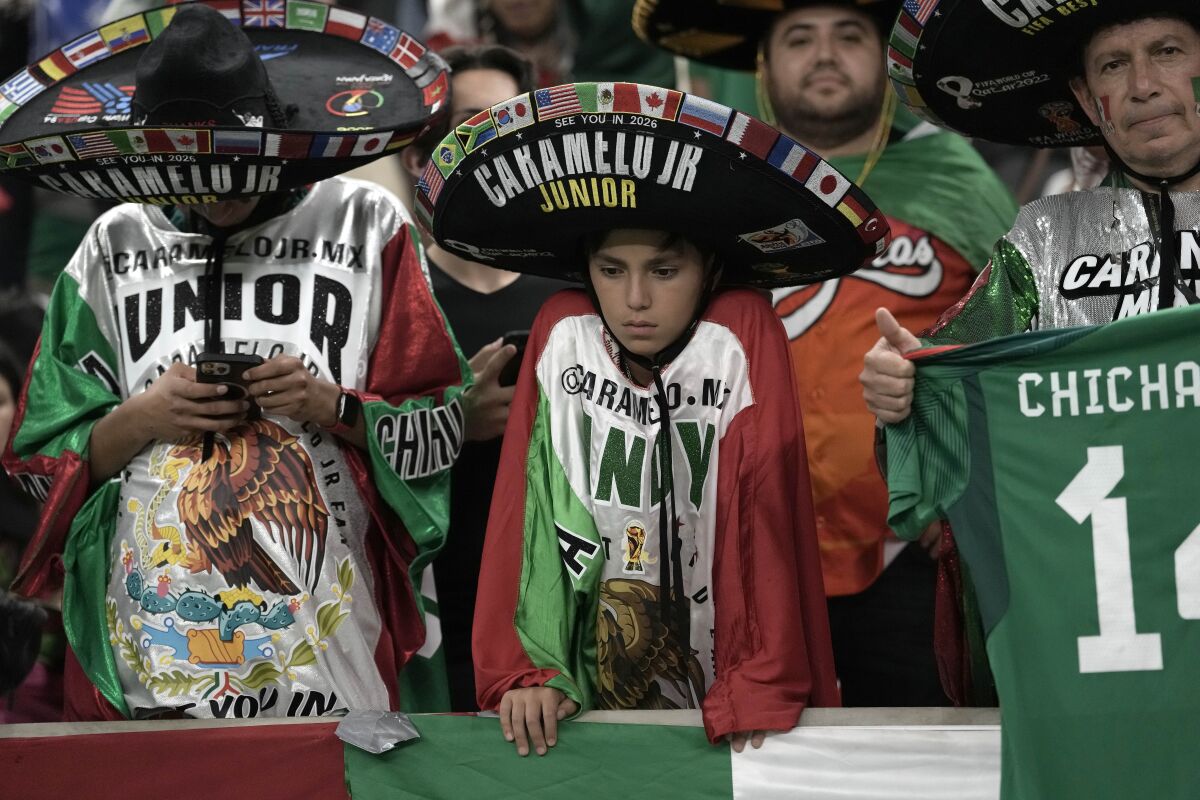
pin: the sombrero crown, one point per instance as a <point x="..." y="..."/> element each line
<point x="522" y="184"/>
<point x="1000" y="70"/>
<point x="726" y="33"/>
<point x="293" y="92"/>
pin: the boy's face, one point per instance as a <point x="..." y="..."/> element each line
<point x="227" y="213"/>
<point x="648" y="290"/>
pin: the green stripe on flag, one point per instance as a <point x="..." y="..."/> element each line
<point x="158" y="19"/>
<point x="467" y="757"/>
<point x="1196" y="89"/>
<point x="306" y="16"/>
<point x="586" y="92"/>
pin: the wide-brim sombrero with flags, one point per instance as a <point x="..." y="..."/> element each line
<point x="726" y="33"/>
<point x="355" y="88"/>
<point x="1001" y="71"/>
<point x="521" y="185"/>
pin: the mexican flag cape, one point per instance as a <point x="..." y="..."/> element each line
<point x="571" y="590"/>
<point x="281" y="575"/>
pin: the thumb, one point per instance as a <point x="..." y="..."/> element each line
<point x="491" y="370"/>
<point x="481" y="358"/>
<point x="891" y="330"/>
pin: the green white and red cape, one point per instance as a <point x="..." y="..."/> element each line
<point x="337" y="280"/>
<point x="570" y="586"/>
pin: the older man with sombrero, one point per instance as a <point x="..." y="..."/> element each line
<point x="821" y="74"/>
<point x="234" y="547"/>
<point x="1090" y="634"/>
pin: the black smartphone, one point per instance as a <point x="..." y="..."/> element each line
<point x="508" y="375"/>
<point x="229" y="369"/>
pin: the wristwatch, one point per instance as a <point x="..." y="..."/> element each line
<point x="349" y="407"/>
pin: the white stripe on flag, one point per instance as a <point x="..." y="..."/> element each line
<point x="872" y="763"/>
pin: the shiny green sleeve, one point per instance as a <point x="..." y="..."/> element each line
<point x="1002" y="301"/>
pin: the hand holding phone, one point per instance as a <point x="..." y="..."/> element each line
<point x="228" y="369"/>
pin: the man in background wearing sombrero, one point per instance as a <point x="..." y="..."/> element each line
<point x="226" y="555"/>
<point x="650" y="544"/>
<point x="821" y="73"/>
<point x="1081" y="550"/>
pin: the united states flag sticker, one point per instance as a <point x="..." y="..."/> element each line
<point x="513" y="114"/>
<point x="370" y="144"/>
<point x="827" y="184"/>
<point x="751" y="135"/>
<point x="50" y="150"/>
<point x="86" y="50"/>
<point x="347" y="24"/>
<point x="242" y="142"/>
<point x="557" y="101"/>
<point x="432" y="181"/>
<point x="705" y="114"/>
<point x="93" y="145"/>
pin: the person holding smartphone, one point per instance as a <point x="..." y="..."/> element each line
<point x="489" y="309"/>
<point x="651" y="543"/>
<point x="219" y="563"/>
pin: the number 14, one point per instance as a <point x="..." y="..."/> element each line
<point x="1119" y="647"/>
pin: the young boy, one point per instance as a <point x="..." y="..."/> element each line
<point x="651" y="540"/>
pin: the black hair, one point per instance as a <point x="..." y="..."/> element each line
<point x="467" y="58"/>
<point x="880" y="25"/>
<point x="594" y="241"/>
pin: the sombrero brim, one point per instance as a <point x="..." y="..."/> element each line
<point x="359" y="89"/>
<point x="519" y="186"/>
<point x="727" y="34"/>
<point x="995" y="72"/>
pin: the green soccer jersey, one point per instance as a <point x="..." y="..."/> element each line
<point x="1063" y="461"/>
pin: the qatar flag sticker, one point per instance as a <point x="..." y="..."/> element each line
<point x="513" y="114"/>
<point x="50" y="150"/>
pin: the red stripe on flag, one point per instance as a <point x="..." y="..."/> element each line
<point x="626" y="98"/>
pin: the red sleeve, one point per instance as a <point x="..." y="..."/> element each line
<point x="414" y="356"/>
<point x="501" y="662"/>
<point x="773" y="651"/>
<point x="415" y="353"/>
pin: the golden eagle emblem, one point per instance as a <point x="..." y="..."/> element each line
<point x="258" y="471"/>
<point x="635" y="651"/>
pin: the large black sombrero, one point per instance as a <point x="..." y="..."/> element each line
<point x="353" y="88"/>
<point x="726" y="33"/>
<point x="520" y="185"/>
<point x="997" y="71"/>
